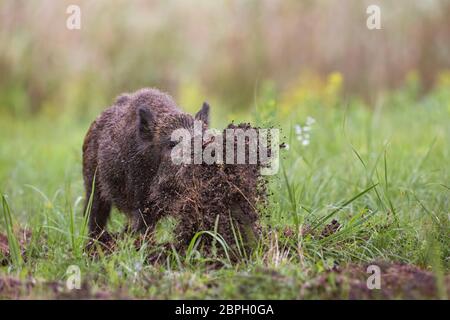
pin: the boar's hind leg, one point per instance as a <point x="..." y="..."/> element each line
<point x="98" y="217"/>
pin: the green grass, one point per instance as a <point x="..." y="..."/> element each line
<point x="383" y="173"/>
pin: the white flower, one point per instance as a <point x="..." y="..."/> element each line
<point x="137" y="266"/>
<point x="303" y="132"/>
<point x="310" y="121"/>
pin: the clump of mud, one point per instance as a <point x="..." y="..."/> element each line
<point x="221" y="197"/>
<point x="330" y="229"/>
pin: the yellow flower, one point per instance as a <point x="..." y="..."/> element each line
<point x="443" y="79"/>
<point x="333" y="88"/>
<point x="334" y="81"/>
<point x="48" y="205"/>
<point x="191" y="96"/>
<point x="310" y="89"/>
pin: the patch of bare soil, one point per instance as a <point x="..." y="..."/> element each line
<point x="13" y="288"/>
<point x="4" y="249"/>
<point x="23" y="236"/>
<point x="398" y="281"/>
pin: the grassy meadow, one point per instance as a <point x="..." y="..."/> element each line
<point x="381" y="172"/>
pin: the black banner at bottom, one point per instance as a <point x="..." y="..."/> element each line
<point x="217" y="309"/>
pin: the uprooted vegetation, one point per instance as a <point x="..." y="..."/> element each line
<point x="219" y="197"/>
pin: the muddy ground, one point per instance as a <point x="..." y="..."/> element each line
<point x="398" y="281"/>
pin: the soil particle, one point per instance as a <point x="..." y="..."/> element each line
<point x="330" y="228"/>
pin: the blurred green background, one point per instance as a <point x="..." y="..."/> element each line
<point x="226" y="52"/>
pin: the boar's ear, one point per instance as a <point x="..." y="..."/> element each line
<point x="145" y="122"/>
<point x="203" y="114"/>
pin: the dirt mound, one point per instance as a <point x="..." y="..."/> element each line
<point x="398" y="281"/>
<point x="30" y="288"/>
<point x="12" y="288"/>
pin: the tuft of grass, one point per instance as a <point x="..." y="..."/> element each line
<point x="165" y="230"/>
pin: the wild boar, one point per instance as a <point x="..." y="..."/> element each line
<point x="127" y="151"/>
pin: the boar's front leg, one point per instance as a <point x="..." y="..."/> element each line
<point x="139" y="222"/>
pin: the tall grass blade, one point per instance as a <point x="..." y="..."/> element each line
<point x="346" y="203"/>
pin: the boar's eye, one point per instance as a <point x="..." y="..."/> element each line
<point x="171" y="144"/>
